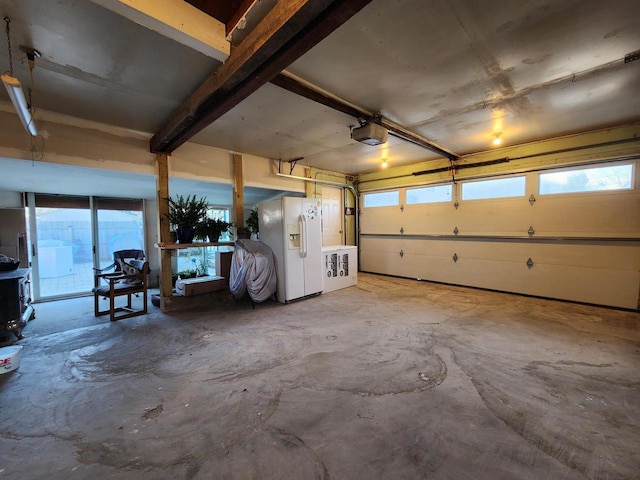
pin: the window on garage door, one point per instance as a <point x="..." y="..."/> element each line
<point x="382" y="199"/>
<point x="494" y="188"/>
<point x="605" y="178"/>
<point x="432" y="194"/>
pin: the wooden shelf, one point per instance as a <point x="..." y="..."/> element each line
<point x="179" y="246"/>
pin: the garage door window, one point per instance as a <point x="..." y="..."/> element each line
<point x="497" y="188"/>
<point x="611" y="177"/>
<point x="435" y="194"/>
<point x="382" y="199"/>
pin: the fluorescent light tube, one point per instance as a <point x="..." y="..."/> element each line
<point x="14" y="89"/>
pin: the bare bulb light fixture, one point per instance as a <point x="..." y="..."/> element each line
<point x="14" y="88"/>
<point x="384" y="164"/>
<point x="497" y="141"/>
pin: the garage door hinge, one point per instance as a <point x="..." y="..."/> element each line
<point x="401" y="254"/>
<point x="532" y="199"/>
<point x="402" y="208"/>
<point x="455" y="231"/>
<point x="401" y="230"/>
<point x="456" y="204"/>
<point x="530" y="264"/>
<point x="455" y="258"/>
<point x="531" y="231"/>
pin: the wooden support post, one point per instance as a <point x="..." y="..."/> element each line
<point x="162" y="182"/>
<point x="238" y="191"/>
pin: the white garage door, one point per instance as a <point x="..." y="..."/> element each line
<point x="570" y="234"/>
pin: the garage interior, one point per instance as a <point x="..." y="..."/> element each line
<point x="483" y="157"/>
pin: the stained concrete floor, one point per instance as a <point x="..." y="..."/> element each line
<point x="392" y="379"/>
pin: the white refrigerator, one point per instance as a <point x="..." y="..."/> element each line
<point x="292" y="227"/>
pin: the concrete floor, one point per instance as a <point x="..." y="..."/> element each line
<point x="392" y="379"/>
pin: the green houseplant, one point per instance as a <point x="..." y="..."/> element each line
<point x="185" y="213"/>
<point x="252" y="221"/>
<point x="212" y="228"/>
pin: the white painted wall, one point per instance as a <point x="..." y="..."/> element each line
<point x="72" y="142"/>
<point x="10" y="199"/>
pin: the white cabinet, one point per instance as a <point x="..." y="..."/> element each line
<point x="340" y="267"/>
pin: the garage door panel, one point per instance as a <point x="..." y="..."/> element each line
<point x="602" y="274"/>
<point x="379" y="255"/>
<point x="582" y="246"/>
<point x="583" y="284"/>
<point x="432" y="219"/>
<point x="431" y="267"/>
<point x="576" y="283"/>
<point x="624" y="256"/>
<point x="381" y="220"/>
<point x="603" y="215"/>
<point x="562" y="216"/>
<point x="508" y="217"/>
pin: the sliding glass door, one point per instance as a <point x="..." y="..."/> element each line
<point x="120" y="226"/>
<point x="73" y="235"/>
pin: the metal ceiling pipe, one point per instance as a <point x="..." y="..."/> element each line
<point x="462" y="167"/>
<point x="299" y="86"/>
<point x="401" y="132"/>
<point x="583" y="163"/>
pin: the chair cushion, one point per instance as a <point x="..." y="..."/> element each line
<point x="133" y="267"/>
<point x="103" y="290"/>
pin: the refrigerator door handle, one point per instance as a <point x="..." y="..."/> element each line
<point x="303" y="236"/>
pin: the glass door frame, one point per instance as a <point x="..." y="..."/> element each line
<point x="32" y="236"/>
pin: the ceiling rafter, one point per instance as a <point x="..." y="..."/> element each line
<point x="288" y="31"/>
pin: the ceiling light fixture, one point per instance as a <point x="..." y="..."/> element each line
<point x="497" y="140"/>
<point x="14" y="88"/>
<point x="16" y="95"/>
<point x="384" y="164"/>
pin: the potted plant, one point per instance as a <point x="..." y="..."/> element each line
<point x="212" y="228"/>
<point x="252" y="222"/>
<point x="185" y="213"/>
<point x="191" y="273"/>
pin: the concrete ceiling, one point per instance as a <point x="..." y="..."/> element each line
<point x="456" y="73"/>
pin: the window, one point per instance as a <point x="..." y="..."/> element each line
<point x="497" y="188"/>
<point x="616" y="177"/>
<point x="382" y="199"/>
<point x="439" y="193"/>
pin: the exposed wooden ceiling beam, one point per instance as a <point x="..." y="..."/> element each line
<point x="288" y="31"/>
<point x="177" y="20"/>
<point x="301" y="87"/>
